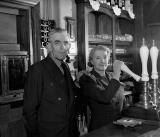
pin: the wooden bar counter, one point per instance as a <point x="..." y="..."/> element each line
<point x="112" y="130"/>
<point x="149" y="119"/>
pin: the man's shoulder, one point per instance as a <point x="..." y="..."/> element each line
<point x="36" y="67"/>
<point x="40" y="63"/>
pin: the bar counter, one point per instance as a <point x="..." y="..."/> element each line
<point x="112" y="130"/>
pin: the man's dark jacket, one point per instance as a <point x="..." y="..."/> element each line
<point x="48" y="105"/>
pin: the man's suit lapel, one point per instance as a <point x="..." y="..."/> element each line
<point x="54" y="72"/>
<point x="57" y="76"/>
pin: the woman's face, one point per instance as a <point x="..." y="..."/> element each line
<point x="100" y="60"/>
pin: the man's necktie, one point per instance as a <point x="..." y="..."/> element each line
<point x="67" y="76"/>
<point x="65" y="70"/>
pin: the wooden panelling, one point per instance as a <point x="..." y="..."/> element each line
<point x="9" y="11"/>
<point x="12" y="46"/>
<point x="8" y="28"/>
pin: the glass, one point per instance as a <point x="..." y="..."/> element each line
<point x="65" y="44"/>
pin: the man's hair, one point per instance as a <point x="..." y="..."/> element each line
<point x="93" y="50"/>
<point x="55" y="30"/>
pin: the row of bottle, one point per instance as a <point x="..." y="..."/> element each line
<point x="46" y="22"/>
<point x="46" y="27"/>
<point x="82" y="125"/>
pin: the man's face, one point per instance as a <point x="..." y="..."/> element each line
<point x="60" y="45"/>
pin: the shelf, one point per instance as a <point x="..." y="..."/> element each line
<point x="12" y="53"/>
<point x="99" y="41"/>
<point x="126" y="54"/>
<point x="9" y="46"/>
<point x="104" y="8"/>
<point x="11" y="98"/>
<point x="109" y="42"/>
<point x="104" y="28"/>
<point x="123" y="43"/>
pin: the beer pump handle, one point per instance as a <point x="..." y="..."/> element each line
<point x="154" y="56"/>
<point x="125" y="69"/>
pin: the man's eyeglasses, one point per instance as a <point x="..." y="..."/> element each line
<point x="58" y="43"/>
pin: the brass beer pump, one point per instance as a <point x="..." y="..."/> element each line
<point x="150" y="96"/>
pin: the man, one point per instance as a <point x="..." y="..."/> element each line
<point x="49" y="92"/>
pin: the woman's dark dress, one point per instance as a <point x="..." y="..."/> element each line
<point x="98" y="92"/>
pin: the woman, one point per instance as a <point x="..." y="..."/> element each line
<point x="99" y="89"/>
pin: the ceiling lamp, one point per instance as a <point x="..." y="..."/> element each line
<point x="116" y="5"/>
<point x="116" y="10"/>
<point x="95" y="4"/>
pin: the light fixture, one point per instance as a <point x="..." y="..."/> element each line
<point x="116" y="5"/>
<point x="116" y="10"/>
<point x="95" y="4"/>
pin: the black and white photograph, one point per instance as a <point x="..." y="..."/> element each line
<point x="79" y="68"/>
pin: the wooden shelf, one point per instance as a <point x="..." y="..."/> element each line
<point x="106" y="9"/>
<point x="123" y="43"/>
<point x="13" y="53"/>
<point x="11" y="98"/>
<point x="126" y="55"/>
<point x="99" y="41"/>
<point x="103" y="27"/>
<point x="109" y="42"/>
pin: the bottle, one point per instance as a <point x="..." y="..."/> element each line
<point x="123" y="5"/>
<point x="79" y="124"/>
<point x="120" y="4"/>
<point x="85" y="129"/>
<point x="112" y="2"/>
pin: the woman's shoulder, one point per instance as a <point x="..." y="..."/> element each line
<point x="82" y="74"/>
<point x="86" y="76"/>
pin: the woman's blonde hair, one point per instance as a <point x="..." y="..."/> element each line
<point x="93" y="50"/>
